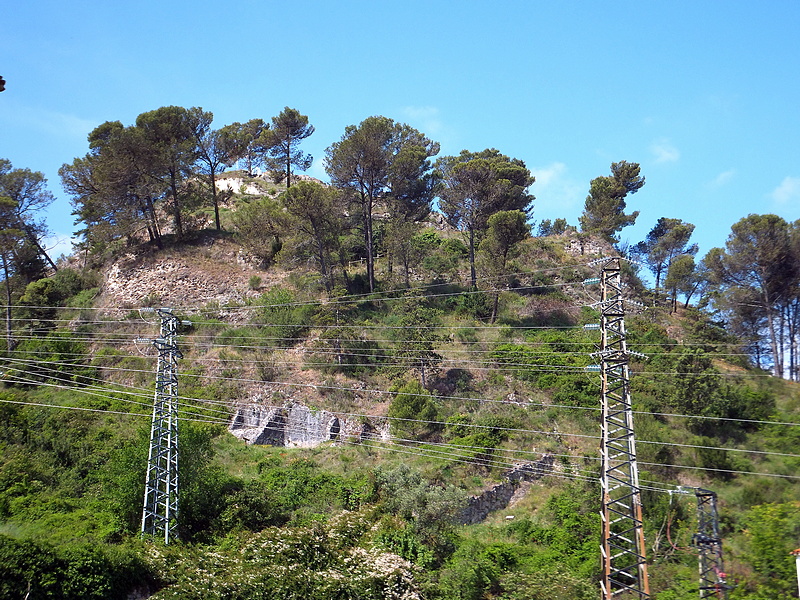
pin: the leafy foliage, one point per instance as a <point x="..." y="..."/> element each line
<point x="604" y="210"/>
<point x="284" y="319"/>
<point x="37" y="571"/>
<point x="772" y="531"/>
<point x="478" y="185"/>
<point x="411" y="407"/>
<point x="57" y="357"/>
<point x="279" y="144"/>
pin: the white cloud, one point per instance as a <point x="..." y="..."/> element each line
<point x="664" y="152"/>
<point x="788" y="191"/>
<point x="317" y="169"/>
<point x="424" y="118"/>
<point x="723" y="178"/>
<point x="51" y="122"/>
<point x="550" y="174"/>
<point x="556" y="193"/>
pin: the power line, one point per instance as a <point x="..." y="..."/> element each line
<point x="388" y="295"/>
<point x="96" y="391"/>
<point x="495" y="364"/>
<point x="442" y="398"/>
<point x="362" y="415"/>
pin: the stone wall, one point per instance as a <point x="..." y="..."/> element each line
<point x="583" y="246"/>
<point x="297" y="426"/>
<point x="499" y="496"/>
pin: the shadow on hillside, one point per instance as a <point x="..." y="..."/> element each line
<point x="200" y="237"/>
<point x="451" y="381"/>
<point x="550" y="317"/>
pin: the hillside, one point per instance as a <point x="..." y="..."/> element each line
<point x="390" y="414"/>
<point x="211" y="269"/>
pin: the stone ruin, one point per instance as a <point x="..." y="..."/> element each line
<point x="297" y="426"/>
<point x="499" y="496"/>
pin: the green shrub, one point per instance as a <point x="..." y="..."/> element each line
<point x="475" y="569"/>
<point x="432" y="509"/>
<point x="466" y="335"/>
<point x="401" y="539"/>
<point x="411" y="407"/>
<point x="477" y="305"/>
<point x="283" y="319"/>
<point x="253" y="506"/>
<point x="347" y="350"/>
<point x="32" y="570"/>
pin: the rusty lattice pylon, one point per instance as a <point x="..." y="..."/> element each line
<point x="709" y="544"/>
<point x="623" y="547"/>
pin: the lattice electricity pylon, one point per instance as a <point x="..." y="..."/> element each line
<point x="709" y="543"/>
<point x="623" y="549"/>
<point x="160" y="512"/>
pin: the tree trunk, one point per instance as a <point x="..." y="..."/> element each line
<point x="9" y="338"/>
<point x="323" y="265"/>
<point x="214" y="200"/>
<point x="288" y="168"/>
<point x="690" y="293"/>
<point x="367" y="203"/>
<point x="32" y="239"/>
<point x="777" y="356"/>
<point x="473" y="274"/>
<point x="495" y="303"/>
<point x="792" y="334"/>
<point x="153" y="220"/>
<point x="176" y="213"/>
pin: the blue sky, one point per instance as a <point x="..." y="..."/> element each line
<point x="704" y="95"/>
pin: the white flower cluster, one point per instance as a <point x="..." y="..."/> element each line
<point x="319" y="561"/>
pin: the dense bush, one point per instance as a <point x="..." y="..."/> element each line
<point x="75" y="572"/>
<point x="346" y="350"/>
<point x="412" y="410"/>
<point x="283" y="317"/>
<point x="433" y="510"/>
<point x="56" y="357"/>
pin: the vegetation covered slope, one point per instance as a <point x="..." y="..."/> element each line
<point x="455" y="340"/>
<point x="363" y="518"/>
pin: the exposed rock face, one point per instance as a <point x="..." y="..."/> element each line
<point x="298" y="426"/>
<point x="586" y="247"/>
<point x="210" y="271"/>
<point x="255" y="186"/>
<point x="500" y="495"/>
<point x="239" y="186"/>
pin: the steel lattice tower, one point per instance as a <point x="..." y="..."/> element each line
<point x="709" y="543"/>
<point x="160" y="512"/>
<point x="623" y="549"/>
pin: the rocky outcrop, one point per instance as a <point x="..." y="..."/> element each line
<point x="259" y="185"/>
<point x="297" y="426"/>
<point x="583" y="246"/>
<point x="499" y="496"/>
<point x="210" y="270"/>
